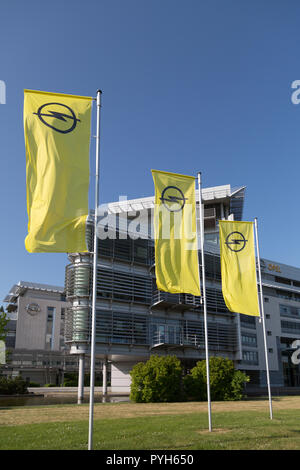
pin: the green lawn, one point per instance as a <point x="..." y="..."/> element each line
<point x="232" y="430"/>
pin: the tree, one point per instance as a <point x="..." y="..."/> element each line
<point x="3" y="323"/>
<point x="3" y="332"/>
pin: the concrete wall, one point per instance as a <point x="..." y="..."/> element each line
<point x="120" y="377"/>
<point x="31" y="329"/>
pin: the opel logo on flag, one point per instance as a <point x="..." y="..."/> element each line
<point x="236" y="241"/>
<point x="58" y="117"/>
<point x="173" y="199"/>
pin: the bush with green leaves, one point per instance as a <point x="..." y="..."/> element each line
<point x="9" y="386"/>
<point x="226" y="383"/>
<point x="194" y="384"/>
<point x="160" y="380"/>
<point x="34" y="384"/>
<point x="238" y="385"/>
<point x="71" y="379"/>
<point x="157" y="380"/>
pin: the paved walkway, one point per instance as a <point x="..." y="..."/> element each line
<point x="71" y="390"/>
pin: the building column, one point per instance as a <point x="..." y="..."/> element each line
<point x="80" y="379"/>
<point x="104" y="379"/>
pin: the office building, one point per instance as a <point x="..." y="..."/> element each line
<point x="35" y="334"/>
<point x="50" y="327"/>
<point x="134" y="319"/>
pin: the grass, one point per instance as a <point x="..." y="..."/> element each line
<point x="242" y="425"/>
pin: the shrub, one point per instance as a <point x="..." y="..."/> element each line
<point x="226" y="383"/>
<point x="137" y="386"/>
<point x="160" y="380"/>
<point x="20" y="385"/>
<point x="221" y="372"/>
<point x="195" y="384"/>
<point x="157" y="380"/>
<point x="71" y="380"/>
<point x="34" y="384"/>
<point x="238" y="384"/>
<point x="9" y="386"/>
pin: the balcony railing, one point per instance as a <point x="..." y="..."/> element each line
<point x="174" y="301"/>
<point x="209" y="212"/>
<point x="221" y="337"/>
<point x="175" y="340"/>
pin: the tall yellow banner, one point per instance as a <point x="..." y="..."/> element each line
<point x="238" y="267"/>
<point x="57" y="143"/>
<point x="175" y="233"/>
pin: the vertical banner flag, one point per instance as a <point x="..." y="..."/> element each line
<point x="57" y="143"/>
<point x="175" y="233"/>
<point x="238" y="267"/>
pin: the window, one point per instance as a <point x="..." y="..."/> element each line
<point x="247" y="321"/>
<point x="62" y="328"/>
<point x="49" y="338"/>
<point x="121" y="327"/>
<point x="250" y="357"/>
<point x="249" y="339"/>
<point x="289" y="311"/>
<point x="290" y="327"/>
<point x="283" y="280"/>
<point x="283" y="294"/>
<point x="212" y="237"/>
<point x="140" y="251"/>
<point x="212" y="266"/>
<point x="126" y="286"/>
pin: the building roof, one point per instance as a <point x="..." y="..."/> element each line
<point x="22" y="286"/>
<point x="209" y="195"/>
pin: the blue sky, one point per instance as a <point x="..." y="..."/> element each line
<point x="188" y="86"/>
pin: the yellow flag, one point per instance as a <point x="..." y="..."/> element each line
<point x="57" y="143"/>
<point x="238" y="267"/>
<point x="175" y="233"/>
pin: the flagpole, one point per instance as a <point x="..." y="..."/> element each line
<point x="262" y="314"/>
<point x="204" y="298"/>
<point x="93" y="330"/>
